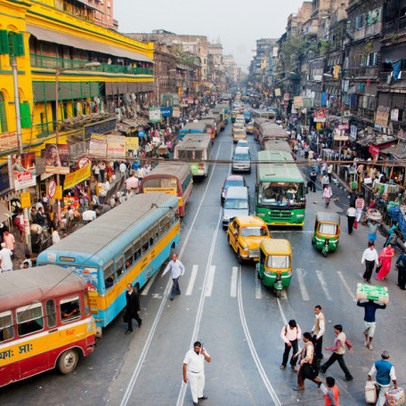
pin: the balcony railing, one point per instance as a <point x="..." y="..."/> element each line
<point x="395" y="26"/>
<point x="387" y="78"/>
<point x="50" y="62"/>
<point x="365" y="72"/>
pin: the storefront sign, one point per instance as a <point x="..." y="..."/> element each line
<point x="319" y="115"/>
<point x="394" y="115"/>
<point x="131" y="143"/>
<point x="373" y="149"/>
<point x="175" y="112"/>
<point x="116" y="146"/>
<point x="51" y="190"/>
<point x="23" y="170"/>
<point x="8" y="142"/>
<point x="78" y="149"/>
<point x="298" y="101"/>
<point x="73" y="178"/>
<point x="155" y="115"/>
<point x="98" y="146"/>
<point x="25" y="199"/>
<point x="83" y="161"/>
<point x="166" y="111"/>
<point x="56" y="158"/>
<point x="101" y="127"/>
<point x="286" y="97"/>
<point x="381" y="118"/>
<point x="339" y="137"/>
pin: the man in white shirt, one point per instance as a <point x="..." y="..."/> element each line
<point x="193" y="371"/>
<point x="177" y="270"/>
<point x="123" y="169"/>
<point x="291" y="334"/>
<point x="370" y="258"/>
<point x="318" y="331"/>
<point x="6" y="263"/>
<point x="55" y="237"/>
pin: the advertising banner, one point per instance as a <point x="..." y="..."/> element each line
<point x="116" y="146"/>
<point x="319" y="115"/>
<point x="286" y="97"/>
<point x="56" y="158"/>
<point x="166" y="111"/>
<point x="23" y="169"/>
<point x="131" y="143"/>
<point x="298" y="101"/>
<point x="98" y="145"/>
<point x="8" y="142"/>
<point x="381" y="118"/>
<point x="373" y="149"/>
<point x="73" y="178"/>
<point x="175" y="112"/>
<point x="155" y="115"/>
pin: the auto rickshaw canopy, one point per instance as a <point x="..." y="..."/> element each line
<point x="276" y="246"/>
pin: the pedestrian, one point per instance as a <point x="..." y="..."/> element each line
<point x="55" y="236"/>
<point x="372" y="229"/>
<point x="102" y="169"/>
<point x="318" y="330"/>
<point x="27" y="263"/>
<point x="392" y="237"/>
<point x="353" y="197"/>
<point x="330" y="172"/>
<point x="193" y="371"/>
<point x="332" y="393"/>
<point x="123" y="169"/>
<point x="9" y="240"/>
<point x="306" y="370"/>
<point x="370" y="258"/>
<point x="338" y="350"/>
<point x="401" y="267"/>
<point x="3" y="229"/>
<point x="177" y="270"/>
<point x="351" y="216"/>
<point x="133" y="308"/>
<point x="313" y="178"/>
<point x="291" y="334"/>
<point x="385" y="259"/>
<point x="41" y="218"/>
<point x="6" y="264"/>
<point x="327" y="193"/>
<point x="96" y="172"/>
<point x="385" y="372"/>
<point x="370" y="308"/>
<point x="325" y="180"/>
<point x="359" y="205"/>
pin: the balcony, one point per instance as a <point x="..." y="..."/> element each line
<point x="394" y="26"/>
<point x="50" y="62"/>
<point x="367" y="72"/>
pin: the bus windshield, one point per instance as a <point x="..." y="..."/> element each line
<point x="253" y="232"/>
<point x="236" y="204"/>
<point x="280" y="193"/>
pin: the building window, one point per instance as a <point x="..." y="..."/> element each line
<point x="3" y="116"/>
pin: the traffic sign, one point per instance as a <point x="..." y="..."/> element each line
<point x="51" y="189"/>
<point x="83" y="161"/>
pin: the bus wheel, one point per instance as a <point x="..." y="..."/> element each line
<point x="67" y="361"/>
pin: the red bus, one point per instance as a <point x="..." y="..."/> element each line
<point x="45" y="322"/>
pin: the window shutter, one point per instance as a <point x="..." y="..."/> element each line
<point x="25" y="115"/>
<point x="4" y="45"/>
<point x="16" y="41"/>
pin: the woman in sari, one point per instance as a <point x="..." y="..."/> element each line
<point x="385" y="259"/>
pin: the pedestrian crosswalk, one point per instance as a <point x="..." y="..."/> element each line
<point x="308" y="283"/>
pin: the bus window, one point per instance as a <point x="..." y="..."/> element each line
<point x="145" y="242"/>
<point x="30" y="319"/>
<point x="86" y="303"/>
<point x="70" y="309"/>
<point x="6" y="326"/>
<point x="119" y="263"/>
<point x="109" y="275"/>
<point x="156" y="233"/>
<point x="128" y="255"/>
<point x="50" y="312"/>
<point x="137" y="249"/>
<point x="198" y="155"/>
<point x="186" y="183"/>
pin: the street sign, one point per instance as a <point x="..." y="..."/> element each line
<point x="25" y="199"/>
<point x="166" y="111"/>
<point x="155" y="115"/>
<point x="58" y="193"/>
<point x="83" y="161"/>
<point x="51" y="189"/>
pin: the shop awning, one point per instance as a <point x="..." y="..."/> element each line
<point x="5" y="213"/>
<point x="45" y="34"/>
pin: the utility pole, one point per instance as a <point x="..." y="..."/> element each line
<point x="13" y="63"/>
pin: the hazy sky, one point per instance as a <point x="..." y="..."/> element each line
<point x="236" y="26"/>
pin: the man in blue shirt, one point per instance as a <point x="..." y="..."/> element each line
<point x="177" y="270"/>
<point x="385" y="372"/>
<point x="370" y="308"/>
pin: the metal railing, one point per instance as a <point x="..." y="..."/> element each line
<point x="50" y="62"/>
<point x="394" y="26"/>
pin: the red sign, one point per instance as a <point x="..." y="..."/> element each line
<point x="319" y="115"/>
<point x="51" y="189"/>
<point x="373" y="149"/>
<point x="83" y="161"/>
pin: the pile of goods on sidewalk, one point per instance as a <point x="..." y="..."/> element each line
<point x="376" y="293"/>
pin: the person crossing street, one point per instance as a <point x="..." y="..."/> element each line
<point x="291" y="334"/>
<point x="177" y="270"/>
<point x="318" y="331"/>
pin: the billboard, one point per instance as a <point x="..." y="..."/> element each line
<point x="23" y="170"/>
<point x="56" y="158"/>
<point x="116" y="146"/>
<point x="98" y="145"/>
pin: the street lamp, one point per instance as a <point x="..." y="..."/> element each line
<point x="58" y="71"/>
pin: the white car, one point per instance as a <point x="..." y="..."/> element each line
<point x="242" y="143"/>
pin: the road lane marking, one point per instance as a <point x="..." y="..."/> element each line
<point x="233" y="287"/>
<point x="251" y="346"/>
<point x="144" y="352"/>
<point x="258" y="287"/>
<point x="147" y="287"/>
<point x="323" y="284"/>
<point x="285" y="320"/>
<point x="302" y="286"/>
<point x="210" y="280"/>
<point x="192" y="280"/>
<point x="347" y="288"/>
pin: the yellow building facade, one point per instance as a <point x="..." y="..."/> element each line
<point x="60" y="35"/>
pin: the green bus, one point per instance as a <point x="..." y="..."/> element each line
<point x="280" y="189"/>
<point x="196" y="148"/>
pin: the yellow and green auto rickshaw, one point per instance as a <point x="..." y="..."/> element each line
<point x="275" y="264"/>
<point x="326" y="232"/>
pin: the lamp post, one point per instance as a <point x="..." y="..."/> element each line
<point x="58" y="71"/>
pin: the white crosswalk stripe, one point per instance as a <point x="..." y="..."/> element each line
<point x="192" y="280"/>
<point x="233" y="286"/>
<point x="323" y="284"/>
<point x="303" y="290"/>
<point x="258" y="287"/>
<point x="210" y="281"/>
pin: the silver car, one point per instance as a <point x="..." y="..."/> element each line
<point x="236" y="204"/>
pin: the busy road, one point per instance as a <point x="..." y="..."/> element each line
<point x="224" y="305"/>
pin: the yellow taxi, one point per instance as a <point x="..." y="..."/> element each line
<point x="239" y="133"/>
<point x="250" y="128"/>
<point x="245" y="234"/>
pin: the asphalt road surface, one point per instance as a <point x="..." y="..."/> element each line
<point x="239" y="321"/>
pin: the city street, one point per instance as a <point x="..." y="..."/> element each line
<point x="238" y="321"/>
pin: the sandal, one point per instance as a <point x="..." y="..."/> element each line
<point x="282" y="367"/>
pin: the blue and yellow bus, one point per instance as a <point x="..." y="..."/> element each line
<point x="128" y="244"/>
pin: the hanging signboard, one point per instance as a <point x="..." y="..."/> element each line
<point x="8" y="142"/>
<point x="73" y="178"/>
<point x="23" y="170"/>
<point x="25" y="199"/>
<point x="373" y="149"/>
<point x="286" y="97"/>
<point x="98" y="145"/>
<point x="175" y="112"/>
<point x="277" y="92"/>
<point x="155" y="115"/>
<point x="319" y="115"/>
<point x="116" y="146"/>
<point x="131" y="143"/>
<point x="166" y="111"/>
<point x="56" y="158"/>
<point x="298" y="101"/>
<point x="382" y="116"/>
